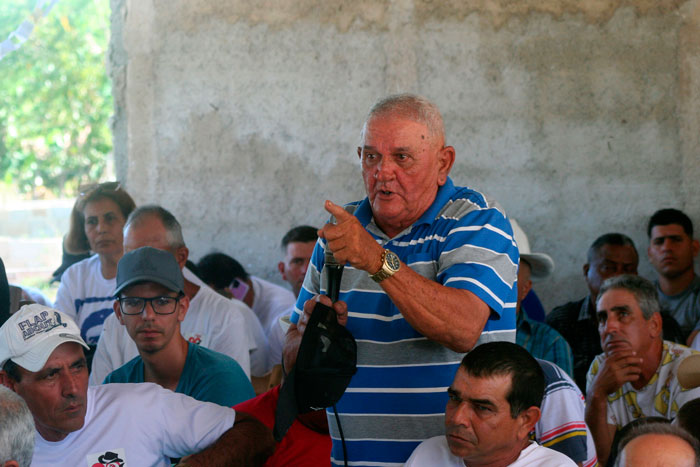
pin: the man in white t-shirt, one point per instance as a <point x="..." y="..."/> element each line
<point x="494" y="404"/>
<point x="117" y="424"/>
<point x="212" y="321"/>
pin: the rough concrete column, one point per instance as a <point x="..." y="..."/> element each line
<point x="689" y="96"/>
<point x="139" y="39"/>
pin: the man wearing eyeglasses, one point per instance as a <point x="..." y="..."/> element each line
<point x="150" y="303"/>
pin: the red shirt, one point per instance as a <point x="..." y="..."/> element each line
<point x="301" y="446"/>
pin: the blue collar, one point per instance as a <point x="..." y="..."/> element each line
<point x="443" y="195"/>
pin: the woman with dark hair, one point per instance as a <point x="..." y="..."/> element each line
<point x="86" y="292"/>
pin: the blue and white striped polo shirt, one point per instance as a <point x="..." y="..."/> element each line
<point x="397" y="398"/>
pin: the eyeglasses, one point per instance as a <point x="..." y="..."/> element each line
<point x="160" y="305"/>
<point x="85" y="190"/>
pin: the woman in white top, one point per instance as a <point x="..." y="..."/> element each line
<point x="86" y="291"/>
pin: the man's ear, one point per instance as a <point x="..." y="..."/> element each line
<point x="118" y="312"/>
<point x="6" y="381"/>
<point x="527" y="420"/>
<point x="656" y="325"/>
<point x="695" y="247"/>
<point x="181" y="255"/>
<point x="446" y="159"/>
<point x="280" y="268"/>
<point x="184" y="306"/>
<point x="586" y="268"/>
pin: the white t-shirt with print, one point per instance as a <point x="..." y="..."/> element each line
<point x="211" y="320"/>
<point x="86" y="296"/>
<point x="435" y="452"/>
<point x="141" y="424"/>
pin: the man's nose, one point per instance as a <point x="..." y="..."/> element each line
<point x="70" y="386"/>
<point x="462" y="415"/>
<point x="385" y="168"/>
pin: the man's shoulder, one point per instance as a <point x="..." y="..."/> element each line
<point x="465" y="201"/>
<point x="127" y="373"/>
<point x="566" y="312"/>
<point x="434" y="451"/>
<point x="539" y="456"/>
<point x="214" y="305"/>
<point x="208" y="359"/>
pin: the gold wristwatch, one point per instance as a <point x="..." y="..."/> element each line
<point x="390" y="265"/>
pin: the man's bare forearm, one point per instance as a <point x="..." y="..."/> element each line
<point x="453" y="317"/>
<point x="597" y="421"/>
<point x="247" y="443"/>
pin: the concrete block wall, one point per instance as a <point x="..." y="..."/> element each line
<point x="241" y="117"/>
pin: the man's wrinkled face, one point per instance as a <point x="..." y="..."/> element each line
<point x="610" y="261"/>
<point x="57" y="394"/>
<point x="402" y="166"/>
<point x="295" y="264"/>
<point x="479" y="426"/>
<point x="671" y="250"/>
<point x="622" y="325"/>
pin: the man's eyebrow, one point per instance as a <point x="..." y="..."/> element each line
<point x="482" y="402"/>
<point x="80" y="361"/>
<point x="620" y="308"/>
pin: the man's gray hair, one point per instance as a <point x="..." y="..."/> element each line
<point x="643" y="290"/>
<point x="172" y="226"/>
<point x="411" y="107"/>
<point x="16" y="429"/>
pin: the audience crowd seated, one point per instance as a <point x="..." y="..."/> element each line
<point x="211" y="320"/>
<point x="151" y="304"/>
<point x="429" y="294"/>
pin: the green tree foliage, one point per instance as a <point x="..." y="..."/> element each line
<point x="55" y="98"/>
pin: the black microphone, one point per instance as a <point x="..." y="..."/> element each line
<point x="335" y="274"/>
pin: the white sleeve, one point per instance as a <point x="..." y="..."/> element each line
<point x="230" y="337"/>
<point x="64" y="297"/>
<point x="108" y="356"/>
<point x="259" y="355"/>
<point x="189" y="425"/>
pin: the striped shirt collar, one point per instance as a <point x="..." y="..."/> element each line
<point x="443" y="195"/>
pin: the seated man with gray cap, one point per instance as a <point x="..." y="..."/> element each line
<point x="540" y="339"/>
<point x="151" y="304"/>
<point x="42" y="360"/>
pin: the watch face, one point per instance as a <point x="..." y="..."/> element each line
<point x="393" y="261"/>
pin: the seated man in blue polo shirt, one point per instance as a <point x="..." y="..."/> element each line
<point x="151" y="304"/>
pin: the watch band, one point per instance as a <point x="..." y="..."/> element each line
<point x="390" y="265"/>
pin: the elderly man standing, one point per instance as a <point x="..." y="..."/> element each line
<point x="430" y="271"/>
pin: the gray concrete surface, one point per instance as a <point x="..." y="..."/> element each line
<point x="242" y="117"/>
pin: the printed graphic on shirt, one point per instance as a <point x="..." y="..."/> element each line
<point x="113" y="458"/>
<point x="196" y="339"/>
<point x="42" y="322"/>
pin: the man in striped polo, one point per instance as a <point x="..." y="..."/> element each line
<point x="429" y="272"/>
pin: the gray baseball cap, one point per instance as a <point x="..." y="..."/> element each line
<point x="149" y="264"/>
